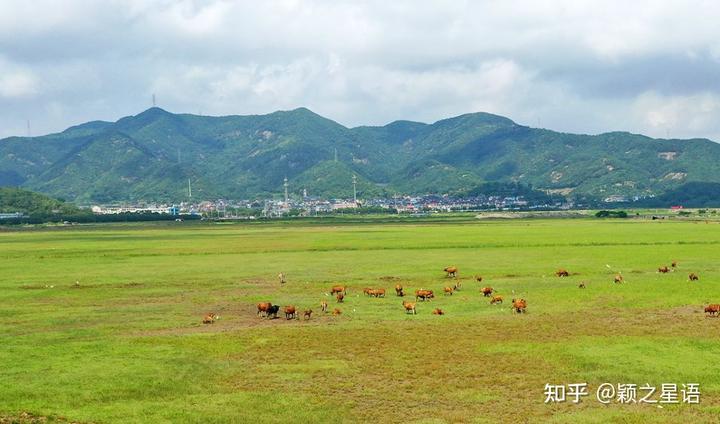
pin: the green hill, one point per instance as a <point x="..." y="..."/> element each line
<point x="152" y="155"/>
<point x="33" y="204"/>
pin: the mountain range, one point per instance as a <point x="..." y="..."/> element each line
<point x="152" y="155"/>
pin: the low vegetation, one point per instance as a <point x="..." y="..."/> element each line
<point x="105" y="323"/>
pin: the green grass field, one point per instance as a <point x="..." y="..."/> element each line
<point x="127" y="344"/>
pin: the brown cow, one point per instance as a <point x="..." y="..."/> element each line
<point x="409" y="307"/>
<point x="438" y="311"/>
<point x="562" y="272"/>
<point x="262" y="308"/>
<point x="693" y="277"/>
<point x="424" y="294"/>
<point x="337" y="289"/>
<point x="377" y="292"/>
<point x="713" y="309"/>
<point x="451" y="271"/>
<point x="486" y="291"/>
<point x="581" y="285"/>
<point x="366" y="291"/>
<point x="290" y="312"/>
<point x="664" y="269"/>
<point x="496" y="299"/>
<point x="618" y="279"/>
<point x="336" y="312"/>
<point x="324" y="306"/>
<point x="307" y="313"/>
<point x="399" y="290"/>
<point x="519" y="305"/>
<point x="340" y="297"/>
<point x="210" y="318"/>
<point x="478" y="279"/>
<point x="448" y="290"/>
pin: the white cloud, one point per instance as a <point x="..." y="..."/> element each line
<point x="16" y="81"/>
<point x="571" y="65"/>
<point x="17" y="84"/>
<point x="695" y="115"/>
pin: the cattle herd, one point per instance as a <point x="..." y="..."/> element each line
<point x="517" y="305"/>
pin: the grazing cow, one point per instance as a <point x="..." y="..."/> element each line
<point x="562" y="272"/>
<point x="324" y="306"/>
<point x="273" y="310"/>
<point x="713" y="309"/>
<point x="366" y="291"/>
<point x="674" y="264"/>
<point x="281" y="277"/>
<point x="377" y="292"/>
<point x="338" y="289"/>
<point x="340" y="297"/>
<point x="409" y="307"/>
<point x="438" y="311"/>
<point x="618" y="279"/>
<point x="496" y="299"/>
<point x="290" y="312"/>
<point x="581" y="285"/>
<point x="424" y="294"/>
<point x="693" y="277"/>
<point x="478" y="278"/>
<point x="336" y="312"/>
<point x="664" y="269"/>
<point x="519" y="305"/>
<point x="451" y="271"/>
<point x="210" y="318"/>
<point x="262" y="308"/>
<point x="448" y="290"/>
<point x="486" y="291"/>
<point x="307" y="313"/>
<point x="399" y="290"/>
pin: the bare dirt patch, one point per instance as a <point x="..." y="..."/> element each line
<point x="29" y="418"/>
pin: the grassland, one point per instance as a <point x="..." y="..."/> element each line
<point x="126" y="344"/>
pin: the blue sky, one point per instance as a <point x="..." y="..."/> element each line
<point x="649" y="67"/>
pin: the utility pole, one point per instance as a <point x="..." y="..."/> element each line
<point x="189" y="190"/>
<point x="285" y="183"/>
<point x="354" y="181"/>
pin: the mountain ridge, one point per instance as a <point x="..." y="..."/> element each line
<point x="151" y="155"/>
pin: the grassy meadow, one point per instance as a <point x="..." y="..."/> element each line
<point x="127" y="344"/>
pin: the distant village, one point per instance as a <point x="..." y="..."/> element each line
<point x="311" y="206"/>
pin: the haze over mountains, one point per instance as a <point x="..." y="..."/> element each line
<point x="151" y="156"/>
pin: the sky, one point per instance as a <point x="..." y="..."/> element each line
<point x="650" y="67"/>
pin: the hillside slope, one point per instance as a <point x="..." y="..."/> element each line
<point x="152" y="155"/>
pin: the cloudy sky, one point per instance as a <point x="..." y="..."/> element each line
<point x="650" y="67"/>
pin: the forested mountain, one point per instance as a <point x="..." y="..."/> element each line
<point x="151" y="156"/>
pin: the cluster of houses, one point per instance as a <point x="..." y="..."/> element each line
<point x="309" y="206"/>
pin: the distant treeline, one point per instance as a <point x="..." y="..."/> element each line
<point x="37" y="209"/>
<point x="689" y="195"/>
<point x="90" y="217"/>
<point x="611" y="214"/>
